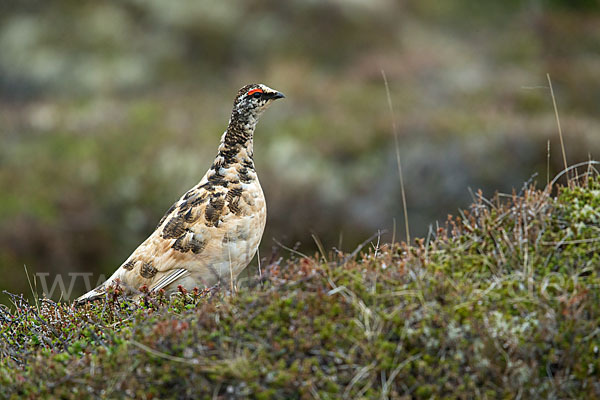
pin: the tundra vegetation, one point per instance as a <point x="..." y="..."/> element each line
<point x="500" y="301"/>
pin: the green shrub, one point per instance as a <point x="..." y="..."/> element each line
<point x="503" y="300"/>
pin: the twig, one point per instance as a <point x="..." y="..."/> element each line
<point x="357" y="377"/>
<point x="320" y="246"/>
<point x="230" y="267"/>
<point x="290" y="249"/>
<point x="560" y="135"/>
<point x="548" y="164"/>
<point x="395" y="131"/>
<point x="388" y="382"/>
<point x="360" y="246"/>
<point x="259" y="269"/>
<point x="191" y="361"/>
<point x="574" y="241"/>
<point x="557" y="177"/>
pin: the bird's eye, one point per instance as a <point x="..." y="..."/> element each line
<point x="256" y="93"/>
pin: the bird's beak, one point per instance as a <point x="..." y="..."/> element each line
<point x="276" y="95"/>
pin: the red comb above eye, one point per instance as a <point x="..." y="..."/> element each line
<point x="251" y="92"/>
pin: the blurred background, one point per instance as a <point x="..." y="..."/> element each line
<point x="109" y="111"/>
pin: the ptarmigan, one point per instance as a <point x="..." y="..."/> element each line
<point x="213" y="231"/>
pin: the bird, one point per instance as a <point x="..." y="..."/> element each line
<point x="213" y="231"/>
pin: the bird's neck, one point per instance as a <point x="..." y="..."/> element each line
<point x="237" y="142"/>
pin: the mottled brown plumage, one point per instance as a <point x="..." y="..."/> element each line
<point x="212" y="232"/>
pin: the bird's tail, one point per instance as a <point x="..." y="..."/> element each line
<point x="100" y="291"/>
<point x="114" y="281"/>
<point x="92" y="295"/>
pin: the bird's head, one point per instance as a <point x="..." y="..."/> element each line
<point x="253" y="99"/>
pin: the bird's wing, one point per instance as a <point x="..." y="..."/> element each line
<point x="171" y="277"/>
<point x="190" y="233"/>
<point x="189" y="237"/>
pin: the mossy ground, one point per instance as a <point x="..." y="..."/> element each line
<point x="501" y="302"/>
<point x="104" y="125"/>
